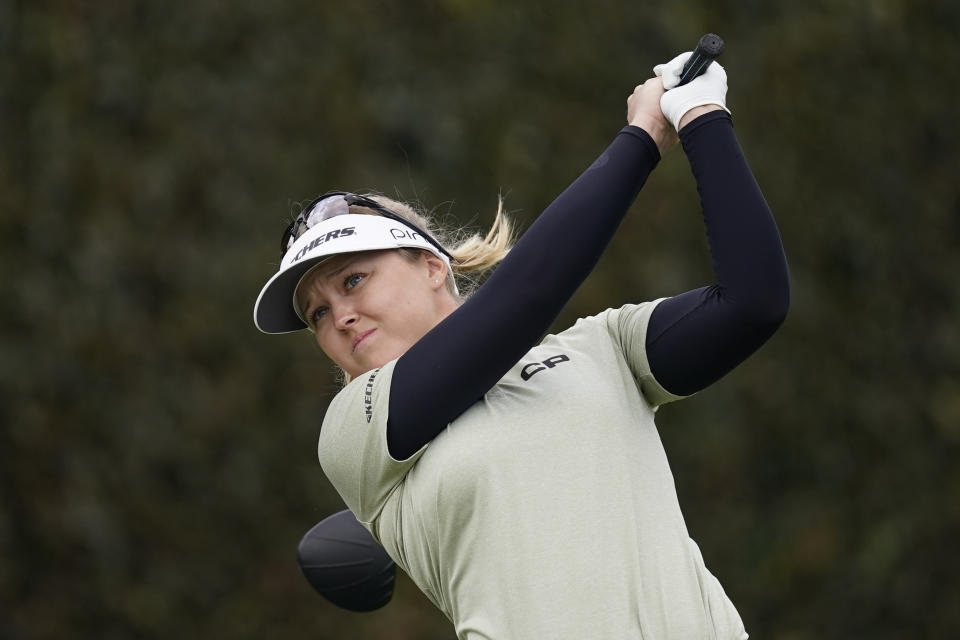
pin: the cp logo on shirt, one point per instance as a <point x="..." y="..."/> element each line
<point x="529" y="370"/>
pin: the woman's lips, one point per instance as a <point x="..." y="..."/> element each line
<point x="360" y="338"/>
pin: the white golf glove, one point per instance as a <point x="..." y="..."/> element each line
<point x="707" y="88"/>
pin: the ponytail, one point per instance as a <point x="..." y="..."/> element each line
<point x="474" y="255"/>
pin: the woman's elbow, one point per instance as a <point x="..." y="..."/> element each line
<point x="768" y="308"/>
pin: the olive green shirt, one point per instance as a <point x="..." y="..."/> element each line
<point x="547" y="509"/>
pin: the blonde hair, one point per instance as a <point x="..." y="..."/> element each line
<point x="473" y="255"/>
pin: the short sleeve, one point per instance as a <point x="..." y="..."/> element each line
<point x="628" y="328"/>
<point x="353" y="445"/>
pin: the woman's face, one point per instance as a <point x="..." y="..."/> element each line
<point x="368" y="308"/>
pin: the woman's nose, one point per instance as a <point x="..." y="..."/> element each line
<point x="344" y="317"/>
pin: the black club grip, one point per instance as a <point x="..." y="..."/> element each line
<point x="709" y="47"/>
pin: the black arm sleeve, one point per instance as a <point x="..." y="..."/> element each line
<point x="461" y="358"/>
<point x="695" y="338"/>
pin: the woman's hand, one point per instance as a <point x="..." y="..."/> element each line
<point x="643" y="111"/>
<point x="683" y="104"/>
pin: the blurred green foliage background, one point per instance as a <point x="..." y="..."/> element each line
<point x="158" y="453"/>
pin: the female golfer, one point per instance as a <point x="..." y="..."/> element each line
<point x="519" y="479"/>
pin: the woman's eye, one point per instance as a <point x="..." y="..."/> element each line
<point x="352" y="280"/>
<point x="318" y="314"/>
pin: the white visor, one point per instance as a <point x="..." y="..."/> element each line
<point x="276" y="310"/>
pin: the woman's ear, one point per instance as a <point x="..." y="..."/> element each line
<point x="436" y="270"/>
